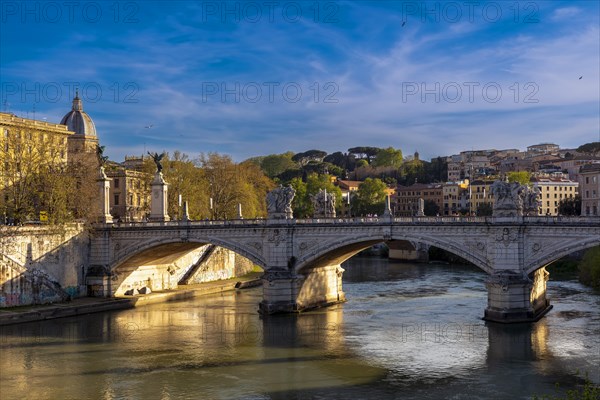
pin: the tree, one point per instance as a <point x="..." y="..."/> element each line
<point x="388" y="157"/>
<point x="370" y="197"/>
<point x="437" y="170"/>
<point x="302" y="203"/>
<point x="570" y="206"/>
<point x="484" y="210"/>
<point x="362" y="163"/>
<point x="275" y="164"/>
<point x="431" y="208"/>
<point x="308" y="156"/>
<point x="36" y="176"/>
<point x="230" y="184"/>
<point x="364" y="152"/>
<point x="413" y="171"/>
<point x="592" y="148"/>
<point x="338" y="158"/>
<point x="522" y="177"/>
<point x="589" y="268"/>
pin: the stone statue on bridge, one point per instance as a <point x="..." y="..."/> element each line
<point x="532" y="201"/>
<point x="513" y="199"/>
<point x="279" y="202"/>
<point x="324" y="204"/>
<point x="157" y="160"/>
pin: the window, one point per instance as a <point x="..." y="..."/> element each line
<point x="116" y="199"/>
<point x="116" y="183"/>
<point x="587" y="180"/>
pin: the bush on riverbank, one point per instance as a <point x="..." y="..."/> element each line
<point x="589" y="268"/>
<point x="564" y="269"/>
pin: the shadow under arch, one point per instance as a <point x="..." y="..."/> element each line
<point x="165" y="263"/>
<point x="561" y="252"/>
<point x="336" y="252"/>
<point x="190" y="244"/>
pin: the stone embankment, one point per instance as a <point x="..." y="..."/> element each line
<point x="88" y="305"/>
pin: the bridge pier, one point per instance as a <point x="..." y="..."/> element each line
<point x="287" y="291"/>
<point x="514" y="297"/>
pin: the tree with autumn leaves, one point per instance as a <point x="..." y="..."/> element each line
<point x="212" y="176"/>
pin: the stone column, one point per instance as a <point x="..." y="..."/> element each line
<point x="421" y="208"/>
<point x="186" y="212"/>
<point x="285" y="291"/>
<point x="387" y="213"/>
<point x="104" y="215"/>
<point x="158" y="208"/>
<point x="513" y="297"/>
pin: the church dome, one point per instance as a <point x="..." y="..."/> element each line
<point x="78" y="121"/>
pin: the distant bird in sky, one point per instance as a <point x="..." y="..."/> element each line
<point x="148" y="126"/>
<point x="403" y="23"/>
<point x="580" y="77"/>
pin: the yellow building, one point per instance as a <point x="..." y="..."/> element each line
<point x="454" y="196"/>
<point x="553" y="190"/>
<point x="480" y="195"/>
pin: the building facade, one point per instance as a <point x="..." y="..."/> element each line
<point x="406" y="199"/>
<point x="589" y="180"/>
<point x="553" y="189"/>
<point x="129" y="194"/>
<point x="454" y="197"/>
<point x="29" y="151"/>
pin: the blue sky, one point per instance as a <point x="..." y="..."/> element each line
<point x="251" y="78"/>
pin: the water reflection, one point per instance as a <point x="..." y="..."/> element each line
<point x="409" y="331"/>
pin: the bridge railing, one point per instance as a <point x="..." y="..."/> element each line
<point x="538" y="220"/>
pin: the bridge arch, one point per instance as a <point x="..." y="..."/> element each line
<point x="339" y="250"/>
<point x="562" y="251"/>
<point x="127" y="253"/>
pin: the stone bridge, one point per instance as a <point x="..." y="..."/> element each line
<point x="301" y="257"/>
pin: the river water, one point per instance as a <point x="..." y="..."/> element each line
<point x="407" y="332"/>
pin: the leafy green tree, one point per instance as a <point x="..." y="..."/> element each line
<point x="362" y="163"/>
<point x="592" y="148"/>
<point x="338" y="158"/>
<point x="413" y="171"/>
<point x="388" y="157"/>
<point x="301" y="203"/>
<point x="308" y="156"/>
<point x="431" y="208"/>
<point x="589" y="268"/>
<point x="275" y="164"/>
<point x="314" y="183"/>
<point x="364" y="152"/>
<point x="570" y="206"/>
<point x="437" y="170"/>
<point x="484" y="210"/>
<point x="522" y="177"/>
<point x="370" y="197"/>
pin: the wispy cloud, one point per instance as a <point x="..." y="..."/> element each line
<point x="362" y="79"/>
